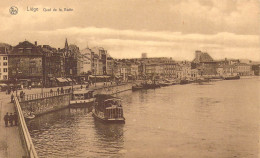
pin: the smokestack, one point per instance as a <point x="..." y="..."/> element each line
<point x="35" y="43"/>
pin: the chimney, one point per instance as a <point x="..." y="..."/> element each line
<point x="35" y="43"/>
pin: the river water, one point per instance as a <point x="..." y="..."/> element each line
<point x="219" y="120"/>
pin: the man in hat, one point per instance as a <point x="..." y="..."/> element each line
<point x="6" y="118"/>
<point x="11" y="118"/>
<point x="12" y="98"/>
<point x="15" y="118"/>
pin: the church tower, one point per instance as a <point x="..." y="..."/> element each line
<point x="66" y="47"/>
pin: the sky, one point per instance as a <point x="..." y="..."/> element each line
<point x="127" y="28"/>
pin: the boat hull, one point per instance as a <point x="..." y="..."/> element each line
<point x="232" y="78"/>
<point x="136" y="88"/>
<point x="184" y="82"/>
<point x="118" y="121"/>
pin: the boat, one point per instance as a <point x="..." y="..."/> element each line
<point x="82" y="98"/>
<point x="137" y="87"/>
<point x="165" y="83"/>
<point x="184" y="82"/>
<point x="232" y="77"/>
<point x="29" y="116"/>
<point x="151" y="85"/>
<point x="108" y="109"/>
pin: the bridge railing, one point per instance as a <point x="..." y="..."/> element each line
<point x="24" y="133"/>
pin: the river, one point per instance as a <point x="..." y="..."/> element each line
<point x="218" y="120"/>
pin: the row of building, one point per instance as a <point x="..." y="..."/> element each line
<point x="42" y="65"/>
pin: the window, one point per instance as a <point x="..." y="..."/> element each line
<point x="20" y="50"/>
<point x="5" y="58"/>
<point x="5" y="63"/>
<point x="5" y="69"/>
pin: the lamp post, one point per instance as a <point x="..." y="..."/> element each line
<point x="42" y="88"/>
<point x="71" y="79"/>
<point x="16" y="80"/>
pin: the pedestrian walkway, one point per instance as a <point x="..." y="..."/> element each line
<point x="39" y="90"/>
<point x="10" y="142"/>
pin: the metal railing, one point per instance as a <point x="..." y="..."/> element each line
<point x="43" y="95"/>
<point x="24" y="133"/>
<point x="29" y="97"/>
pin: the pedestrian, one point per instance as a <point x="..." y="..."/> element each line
<point x="15" y="118"/>
<point x="81" y="87"/>
<point x="58" y="90"/>
<point x="21" y="94"/>
<point x="62" y="90"/>
<point x="12" y="98"/>
<point x="6" y="118"/>
<point x="51" y="91"/>
<point x="11" y="118"/>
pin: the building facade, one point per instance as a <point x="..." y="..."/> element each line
<point x="3" y="64"/>
<point x="26" y="64"/>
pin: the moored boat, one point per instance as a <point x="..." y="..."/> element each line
<point x="29" y="116"/>
<point x="137" y="87"/>
<point x="82" y="98"/>
<point x="184" y="82"/>
<point x="165" y="83"/>
<point x="108" y="109"/>
<point x="232" y="77"/>
<point x="151" y="85"/>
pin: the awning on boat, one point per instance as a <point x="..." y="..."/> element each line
<point x="82" y="91"/>
<point x="61" y="80"/>
<point x="69" y="79"/>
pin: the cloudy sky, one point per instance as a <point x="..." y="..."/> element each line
<point x="126" y="28"/>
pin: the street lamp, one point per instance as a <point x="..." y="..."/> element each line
<point x="71" y="79"/>
<point x="16" y="80"/>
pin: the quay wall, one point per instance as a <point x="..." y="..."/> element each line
<point x="24" y="133"/>
<point x="42" y="103"/>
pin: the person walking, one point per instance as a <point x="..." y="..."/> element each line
<point x="58" y="90"/>
<point x="15" y="118"/>
<point x="6" y="118"/>
<point x="12" y="98"/>
<point x="62" y="90"/>
<point x="11" y="118"/>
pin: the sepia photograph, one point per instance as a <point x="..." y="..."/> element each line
<point x="129" y="79"/>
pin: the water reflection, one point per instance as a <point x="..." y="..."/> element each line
<point x="110" y="138"/>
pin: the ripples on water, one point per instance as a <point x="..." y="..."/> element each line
<point x="189" y="121"/>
